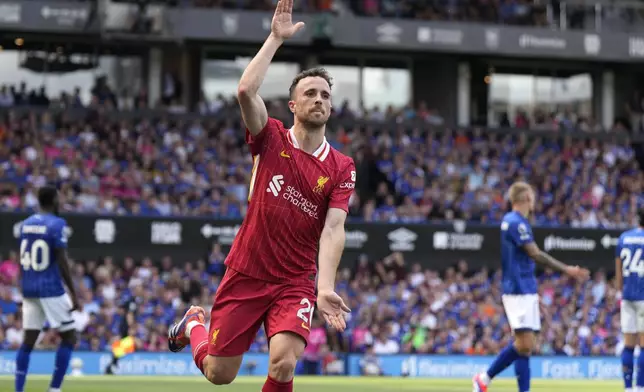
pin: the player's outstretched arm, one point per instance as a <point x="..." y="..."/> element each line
<point x="545" y="259"/>
<point x="331" y="247"/>
<point x="252" y="106"/>
<point x="332" y="239"/>
<point x="63" y="266"/>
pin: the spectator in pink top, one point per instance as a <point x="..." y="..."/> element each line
<point x="361" y="338"/>
<point x="9" y="269"/>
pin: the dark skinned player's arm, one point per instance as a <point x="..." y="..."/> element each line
<point x="63" y="266"/>
<point x="543" y="258"/>
<point x="619" y="278"/>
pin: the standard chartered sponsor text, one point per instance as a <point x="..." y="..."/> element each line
<point x="295" y="197"/>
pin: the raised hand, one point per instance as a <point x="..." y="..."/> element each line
<point x="282" y="26"/>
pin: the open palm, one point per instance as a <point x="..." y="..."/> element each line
<point x="333" y="308"/>
<point x="282" y="25"/>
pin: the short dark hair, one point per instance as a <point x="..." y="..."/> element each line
<point x="47" y="196"/>
<point x="310" y="73"/>
<point x="640" y="215"/>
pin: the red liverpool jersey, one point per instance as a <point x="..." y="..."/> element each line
<point x="289" y="195"/>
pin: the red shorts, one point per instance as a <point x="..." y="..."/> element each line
<point x="243" y="303"/>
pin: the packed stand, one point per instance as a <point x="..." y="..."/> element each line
<point x="504" y="12"/>
<point x="405" y="174"/>
<point x="553" y="14"/>
<point x="395" y="308"/>
<point x="563" y="120"/>
<point x="457" y="311"/>
<point x="260" y="5"/>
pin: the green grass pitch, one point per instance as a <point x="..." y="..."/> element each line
<point x="302" y="384"/>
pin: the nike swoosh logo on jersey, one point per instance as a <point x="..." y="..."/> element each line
<point x="283" y="154"/>
<point x="306" y="327"/>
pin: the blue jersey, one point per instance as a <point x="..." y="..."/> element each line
<point x="517" y="267"/>
<point x="40" y="236"/>
<point x="630" y="249"/>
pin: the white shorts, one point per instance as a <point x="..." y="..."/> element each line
<point x="632" y="316"/>
<point x="522" y="312"/>
<point x="55" y="310"/>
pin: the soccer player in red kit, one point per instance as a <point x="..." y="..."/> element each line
<point x="298" y="200"/>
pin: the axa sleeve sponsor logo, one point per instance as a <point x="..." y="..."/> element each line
<point x="349" y="184"/>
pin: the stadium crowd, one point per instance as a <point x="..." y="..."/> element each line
<point x="575" y="14"/>
<point x="396" y="307"/>
<point x="406" y="173"/>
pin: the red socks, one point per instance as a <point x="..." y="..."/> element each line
<point x="276" y="386"/>
<point x="199" y="345"/>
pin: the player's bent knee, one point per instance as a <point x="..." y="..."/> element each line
<point x="524" y="348"/>
<point x="219" y="378"/>
<point x="525" y="351"/>
<point x="282" y="367"/>
<point x="30" y="337"/>
<point x="524" y="342"/>
<point x="219" y="375"/>
<point x="220" y="370"/>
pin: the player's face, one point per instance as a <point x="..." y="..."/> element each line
<point x="531" y="201"/>
<point x="312" y="101"/>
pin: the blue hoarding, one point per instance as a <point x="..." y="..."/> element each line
<point x="438" y="366"/>
<point x="153" y="364"/>
<point x="434" y="366"/>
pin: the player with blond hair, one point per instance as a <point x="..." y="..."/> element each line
<point x="519" y="252"/>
